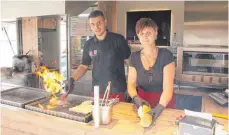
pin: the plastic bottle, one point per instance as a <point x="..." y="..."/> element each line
<point x="33" y="67"/>
<point x="174" y="42"/>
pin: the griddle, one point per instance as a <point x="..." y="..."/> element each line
<point x="21" y="96"/>
<point x="63" y="111"/>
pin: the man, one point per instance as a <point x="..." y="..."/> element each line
<point x="106" y="51"/>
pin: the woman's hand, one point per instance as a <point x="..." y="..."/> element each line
<point x="156" y="112"/>
<point x="139" y="101"/>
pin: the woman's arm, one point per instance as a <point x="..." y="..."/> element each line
<point x="168" y="83"/>
<point x="132" y="78"/>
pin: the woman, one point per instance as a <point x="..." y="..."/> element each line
<point x="152" y="70"/>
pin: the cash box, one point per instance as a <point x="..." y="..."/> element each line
<point x="190" y="125"/>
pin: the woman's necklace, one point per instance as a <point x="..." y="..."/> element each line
<point x="151" y="65"/>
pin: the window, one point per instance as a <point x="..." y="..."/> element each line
<point x="161" y="18"/>
<point x="63" y="49"/>
<point x="6" y="50"/>
<point x="83" y="40"/>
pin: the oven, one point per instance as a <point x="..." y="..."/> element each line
<point x="202" y="67"/>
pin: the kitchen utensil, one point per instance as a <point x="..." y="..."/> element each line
<point x="106" y="94"/>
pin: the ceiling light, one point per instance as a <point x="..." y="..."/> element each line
<point x="83" y="15"/>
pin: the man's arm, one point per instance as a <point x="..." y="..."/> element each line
<point x="79" y="72"/>
<point x="126" y="61"/>
<point x="83" y="67"/>
<point x="124" y="49"/>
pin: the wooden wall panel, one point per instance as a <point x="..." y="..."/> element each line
<point x="109" y="10"/>
<point x="47" y="23"/>
<point x="30" y="37"/>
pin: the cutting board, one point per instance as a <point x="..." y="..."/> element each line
<point x="124" y="111"/>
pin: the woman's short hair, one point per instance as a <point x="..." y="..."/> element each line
<point x="145" y="22"/>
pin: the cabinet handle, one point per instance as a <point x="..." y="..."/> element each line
<point x="193" y="78"/>
<point x="210" y="80"/>
<point x="202" y="78"/>
<point x="220" y="80"/>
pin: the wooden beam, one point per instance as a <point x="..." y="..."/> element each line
<point x="109" y="10"/>
<point x="30" y="37"/>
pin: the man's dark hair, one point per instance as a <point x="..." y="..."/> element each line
<point x="96" y="13"/>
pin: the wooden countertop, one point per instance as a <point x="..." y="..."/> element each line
<point x="17" y="121"/>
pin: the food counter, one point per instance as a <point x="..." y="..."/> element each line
<point x="18" y="121"/>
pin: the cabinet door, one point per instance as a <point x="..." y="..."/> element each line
<point x="224" y="80"/>
<point x="40" y="24"/>
<point x="53" y="23"/>
<point x="47" y="23"/>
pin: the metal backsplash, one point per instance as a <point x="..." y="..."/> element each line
<point x="206" y="23"/>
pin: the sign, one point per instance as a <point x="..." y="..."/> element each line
<point x="80" y="27"/>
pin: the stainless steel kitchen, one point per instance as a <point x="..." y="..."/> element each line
<point x="114" y="67"/>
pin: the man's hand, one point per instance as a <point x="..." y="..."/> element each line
<point x="156" y="112"/>
<point x="139" y="101"/>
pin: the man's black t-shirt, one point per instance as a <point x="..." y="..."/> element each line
<point x="151" y="80"/>
<point x="107" y="59"/>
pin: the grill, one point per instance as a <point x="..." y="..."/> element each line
<point x="61" y="111"/>
<point x="21" y="96"/>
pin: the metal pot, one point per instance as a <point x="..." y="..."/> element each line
<point x="22" y="63"/>
<point x="105" y="114"/>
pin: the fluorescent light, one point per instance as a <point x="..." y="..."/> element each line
<point x="8" y="19"/>
<point x="83" y="15"/>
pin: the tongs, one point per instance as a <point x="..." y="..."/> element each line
<point x="106" y="94"/>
